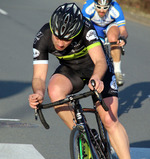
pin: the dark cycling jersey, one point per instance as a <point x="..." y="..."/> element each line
<point x="75" y="62"/>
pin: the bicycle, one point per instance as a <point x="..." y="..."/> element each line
<point x="85" y="142"/>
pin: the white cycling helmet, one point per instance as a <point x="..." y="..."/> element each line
<point x="103" y="2"/>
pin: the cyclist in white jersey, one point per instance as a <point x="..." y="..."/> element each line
<point x="107" y="15"/>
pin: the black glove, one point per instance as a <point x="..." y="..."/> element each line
<point x="123" y="38"/>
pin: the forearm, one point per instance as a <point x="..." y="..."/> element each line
<point x="100" y="69"/>
<point x="98" y="57"/>
<point x="38" y="86"/>
<point x="123" y="32"/>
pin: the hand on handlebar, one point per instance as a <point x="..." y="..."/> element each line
<point x="122" y="41"/>
<point x="99" y="85"/>
<point x="34" y="100"/>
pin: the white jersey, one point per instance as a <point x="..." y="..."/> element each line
<point x="114" y="14"/>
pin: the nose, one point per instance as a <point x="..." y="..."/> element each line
<point x="101" y="10"/>
<point x="60" y="42"/>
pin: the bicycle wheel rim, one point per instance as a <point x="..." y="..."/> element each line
<point x="76" y="146"/>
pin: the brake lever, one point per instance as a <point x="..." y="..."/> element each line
<point x="99" y="96"/>
<point x="95" y="91"/>
<point x="35" y="114"/>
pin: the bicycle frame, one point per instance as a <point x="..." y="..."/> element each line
<point x="82" y="125"/>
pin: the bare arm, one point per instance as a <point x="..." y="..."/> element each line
<point x="123" y="33"/>
<point x="98" y="57"/>
<point x="38" y="84"/>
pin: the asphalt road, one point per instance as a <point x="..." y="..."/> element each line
<point x="18" y="26"/>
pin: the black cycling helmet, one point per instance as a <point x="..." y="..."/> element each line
<point x="67" y="21"/>
<point x="103" y="2"/>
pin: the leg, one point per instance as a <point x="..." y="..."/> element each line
<point x="117" y="134"/>
<point x="59" y="87"/>
<point x="113" y="35"/>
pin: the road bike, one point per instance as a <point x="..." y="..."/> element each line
<point x="85" y="142"/>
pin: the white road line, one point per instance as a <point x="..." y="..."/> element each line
<point x="5" y="119"/>
<point x="28" y="151"/>
<point x="19" y="151"/>
<point x="3" y="12"/>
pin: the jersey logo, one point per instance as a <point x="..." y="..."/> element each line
<point x="114" y="12"/>
<point x="113" y="83"/>
<point x="36" y="53"/>
<point x="91" y="35"/>
<point x="87" y="23"/>
<point x="38" y="36"/>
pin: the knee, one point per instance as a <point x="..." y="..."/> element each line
<point x="54" y="93"/>
<point x="110" y="122"/>
<point x="113" y="37"/>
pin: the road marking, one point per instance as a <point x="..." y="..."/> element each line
<point x="5" y="119"/>
<point x="28" y="151"/>
<point x="19" y="151"/>
<point x="3" y="12"/>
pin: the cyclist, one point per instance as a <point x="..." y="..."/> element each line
<point x="73" y="40"/>
<point x="107" y="15"/>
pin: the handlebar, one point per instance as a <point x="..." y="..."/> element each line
<point x="114" y="43"/>
<point x="122" y="47"/>
<point x="70" y="98"/>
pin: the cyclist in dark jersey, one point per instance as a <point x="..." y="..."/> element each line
<point x="73" y="40"/>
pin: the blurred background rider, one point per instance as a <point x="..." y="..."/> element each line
<point x="107" y="15"/>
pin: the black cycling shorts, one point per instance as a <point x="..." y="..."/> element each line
<point x="81" y="77"/>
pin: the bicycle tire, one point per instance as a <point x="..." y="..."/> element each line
<point x="77" y="145"/>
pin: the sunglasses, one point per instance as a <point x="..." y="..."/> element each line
<point x="100" y="7"/>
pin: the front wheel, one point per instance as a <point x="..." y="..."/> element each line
<point x="79" y="147"/>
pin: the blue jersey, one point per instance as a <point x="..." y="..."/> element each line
<point x="113" y="15"/>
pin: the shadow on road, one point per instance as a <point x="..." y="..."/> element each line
<point x="133" y="96"/>
<point x="9" y="88"/>
<point x="143" y="144"/>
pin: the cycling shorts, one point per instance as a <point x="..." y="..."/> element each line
<point x="81" y="77"/>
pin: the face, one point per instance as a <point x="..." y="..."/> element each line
<point x="101" y="9"/>
<point x="60" y="45"/>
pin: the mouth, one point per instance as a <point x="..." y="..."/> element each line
<point x="59" y="47"/>
<point x="101" y="13"/>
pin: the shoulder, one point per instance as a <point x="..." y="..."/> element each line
<point x="116" y="5"/>
<point x="45" y="29"/>
<point x="87" y="24"/>
<point x="43" y="34"/>
<point x="115" y="10"/>
<point x="89" y="33"/>
<point x="88" y="8"/>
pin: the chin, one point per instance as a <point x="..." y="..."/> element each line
<point x="102" y="15"/>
